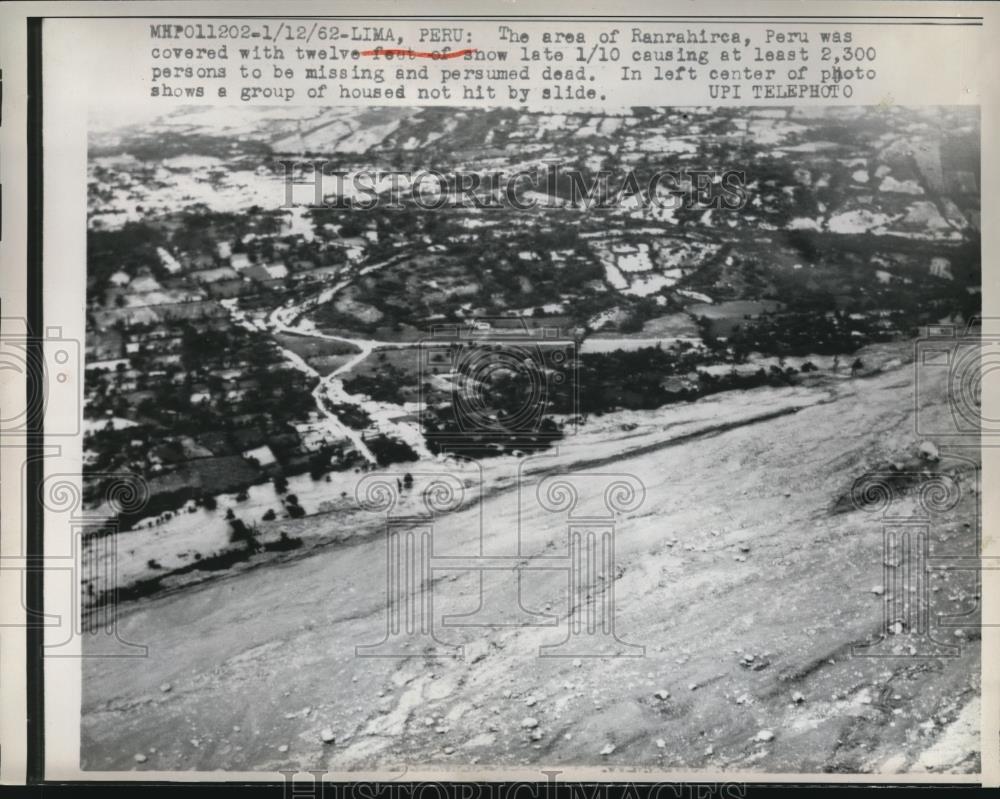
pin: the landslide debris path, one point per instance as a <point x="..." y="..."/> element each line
<point x="746" y="591"/>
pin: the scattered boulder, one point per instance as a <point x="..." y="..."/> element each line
<point x="754" y="662"/>
<point x="326" y="735"/>
<point x="529" y="722"/>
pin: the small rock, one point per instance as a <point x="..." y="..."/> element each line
<point x="878" y="590"/>
<point x="166" y="687"/>
<point x="236" y="728"/>
<point x="798" y="697"/>
<point x="140" y="758"/>
<point x="536" y="735"/>
<point x="744" y="547"/>
<point x="660" y="743"/>
<point x="710" y="750"/>
<point x="530" y="701"/>
<point x="894" y="764"/>
<point x="662" y="694"/>
<point x="693" y="686"/>
<point x="529" y="722"/>
<point x="754" y="662"/>
<point x="764" y="736"/>
<point x="283" y="748"/>
<point x="448" y="750"/>
<point x="577" y="662"/>
<point x="928" y="451"/>
<point x="607" y="750"/>
<point x="326" y="735"/>
<point x="476" y="651"/>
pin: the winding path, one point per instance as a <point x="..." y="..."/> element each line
<point x="330" y="390"/>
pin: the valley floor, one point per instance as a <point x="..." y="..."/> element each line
<point x="744" y="583"/>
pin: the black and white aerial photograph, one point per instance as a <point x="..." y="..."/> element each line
<point x="482" y="440"/>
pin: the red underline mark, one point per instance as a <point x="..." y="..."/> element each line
<point x="418" y="54"/>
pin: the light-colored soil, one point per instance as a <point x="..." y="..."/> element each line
<point x="735" y="552"/>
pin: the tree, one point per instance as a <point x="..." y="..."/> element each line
<point x="240" y="533"/>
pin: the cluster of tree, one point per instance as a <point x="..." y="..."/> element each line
<point x="383" y="385"/>
<point x="449" y="431"/>
<point x="390" y="450"/>
<point x="800" y="334"/>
